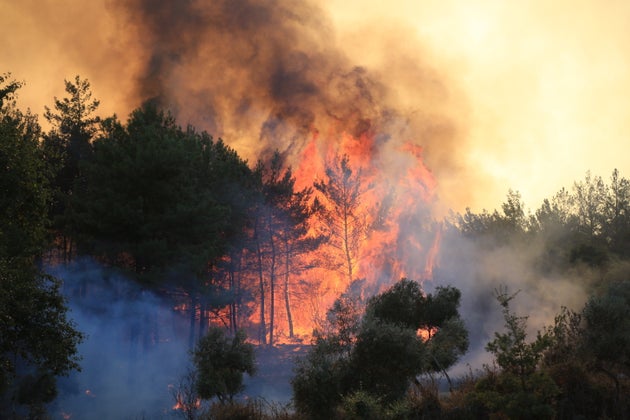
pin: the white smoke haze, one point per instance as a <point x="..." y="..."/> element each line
<point x="477" y="272"/>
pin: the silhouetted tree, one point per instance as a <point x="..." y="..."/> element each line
<point x="383" y="352"/>
<point x="607" y="336"/>
<point x="67" y="146"/>
<point x="160" y="200"/>
<point x="518" y="390"/>
<point x="344" y="223"/>
<point x="616" y="229"/>
<point x="282" y="238"/>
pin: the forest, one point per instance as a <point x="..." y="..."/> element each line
<point x="247" y="256"/>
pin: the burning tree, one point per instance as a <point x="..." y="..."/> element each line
<point x="343" y="220"/>
<point x="282" y="239"/>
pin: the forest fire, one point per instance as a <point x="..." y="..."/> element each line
<point x="384" y="228"/>
<point x="358" y="201"/>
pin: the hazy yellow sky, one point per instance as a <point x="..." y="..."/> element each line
<point x="542" y="87"/>
<point x="547" y="84"/>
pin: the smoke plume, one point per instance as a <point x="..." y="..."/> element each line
<point x="268" y="75"/>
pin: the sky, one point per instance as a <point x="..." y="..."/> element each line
<point x="536" y="92"/>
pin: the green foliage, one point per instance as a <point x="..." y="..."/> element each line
<point x="502" y="395"/>
<point x="512" y="352"/>
<point x="24" y="191"/>
<point x="344" y="318"/>
<point x="382" y="353"/>
<point x="518" y="390"/>
<point x="154" y="194"/>
<point x="607" y="325"/>
<point x="66" y="147"/>
<point x="496" y="228"/>
<point x="386" y="358"/>
<point x="437" y="314"/>
<point x="360" y="405"/>
<point x="37" y="341"/>
<point x="220" y="362"/>
<point x="401" y="305"/>
<point x="321" y="378"/>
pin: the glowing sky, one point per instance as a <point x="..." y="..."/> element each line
<point x="540" y="89"/>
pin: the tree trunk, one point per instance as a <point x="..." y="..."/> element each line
<point x="272" y="292"/>
<point x="262" y="334"/>
<point x="287" y="303"/>
<point x="233" y="303"/>
<point x="346" y="242"/>
<point x="203" y="318"/>
<point x="193" y="318"/>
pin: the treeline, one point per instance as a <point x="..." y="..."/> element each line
<point x="388" y="358"/>
<point x="590" y="223"/>
<point x="376" y="365"/>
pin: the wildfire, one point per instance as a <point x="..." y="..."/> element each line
<point x="400" y="238"/>
<point x="395" y="234"/>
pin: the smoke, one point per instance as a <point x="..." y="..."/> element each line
<point x="263" y="75"/>
<point x="268" y="75"/>
<point x="478" y="270"/>
<point x="135" y="347"/>
<point x="534" y="94"/>
<point x="136" y="351"/>
<point x="526" y="96"/>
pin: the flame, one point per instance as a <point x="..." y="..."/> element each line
<point x="402" y="240"/>
<point x="426" y="333"/>
<point x="180" y="405"/>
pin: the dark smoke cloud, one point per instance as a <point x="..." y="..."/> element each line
<point x="265" y="75"/>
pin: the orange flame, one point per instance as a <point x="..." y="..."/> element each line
<point x="403" y="241"/>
